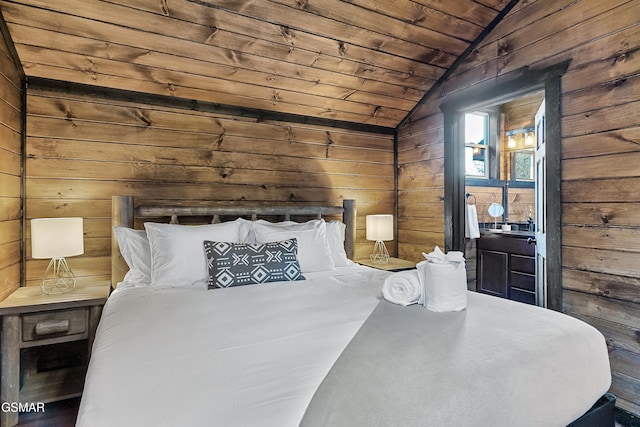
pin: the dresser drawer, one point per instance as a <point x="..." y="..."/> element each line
<point x="51" y="324"/>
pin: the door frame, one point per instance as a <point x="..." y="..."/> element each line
<point x="500" y="90"/>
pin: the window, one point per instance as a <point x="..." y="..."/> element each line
<point x="476" y="137"/>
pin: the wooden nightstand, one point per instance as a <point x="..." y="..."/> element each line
<point x="35" y="324"/>
<point x="394" y="264"/>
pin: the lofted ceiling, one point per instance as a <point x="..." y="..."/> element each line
<point x="362" y="61"/>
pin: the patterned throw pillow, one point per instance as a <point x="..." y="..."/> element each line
<point x="237" y="264"/>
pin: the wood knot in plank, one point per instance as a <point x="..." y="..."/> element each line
<point x="164" y="7"/>
<point x="69" y="117"/>
<point x="219" y="140"/>
<point x="620" y="59"/>
<point x="503" y="48"/>
<point x="287" y="34"/>
<point x="291" y="138"/>
<point x="275" y="97"/>
<point x="604" y="219"/>
<point x="431" y="57"/>
<point x="303" y="4"/>
<point x="91" y="67"/>
<point x="143" y="118"/>
<point x="619" y="82"/>
<point x="420" y="17"/>
<point x="330" y="143"/>
<point x="348" y="94"/>
<point x="214" y="31"/>
<point x="342" y="49"/>
<point x="234" y="55"/>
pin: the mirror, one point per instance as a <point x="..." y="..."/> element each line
<point x="495" y="210"/>
<point x="523" y="165"/>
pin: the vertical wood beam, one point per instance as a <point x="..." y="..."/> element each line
<point x="396" y="210"/>
<point x="121" y="215"/>
<point x="553" y="117"/>
<point x="453" y="183"/>
<point x="349" y="219"/>
<point x="10" y="384"/>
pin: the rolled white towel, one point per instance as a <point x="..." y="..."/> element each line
<point x="403" y="288"/>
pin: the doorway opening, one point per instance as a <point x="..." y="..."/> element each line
<point x="500" y="196"/>
<point x="483" y="103"/>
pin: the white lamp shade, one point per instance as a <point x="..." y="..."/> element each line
<point x="379" y="227"/>
<point x="56" y="237"/>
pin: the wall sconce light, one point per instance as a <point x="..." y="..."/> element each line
<point x="57" y="238"/>
<point x="379" y="228"/>
<point x="518" y="137"/>
<point x="528" y="139"/>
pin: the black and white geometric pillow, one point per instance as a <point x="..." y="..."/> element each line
<point x="237" y="264"/>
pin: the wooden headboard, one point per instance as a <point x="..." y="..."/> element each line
<point x="123" y="213"/>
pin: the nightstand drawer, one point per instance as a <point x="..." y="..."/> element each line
<point x="50" y="324"/>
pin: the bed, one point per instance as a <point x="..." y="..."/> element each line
<point x="181" y="347"/>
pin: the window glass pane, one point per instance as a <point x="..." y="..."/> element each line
<point x="475" y="161"/>
<point x="475" y="128"/>
<point x="475" y="139"/>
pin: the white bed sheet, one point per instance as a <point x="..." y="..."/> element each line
<point x="157" y="355"/>
<point x="255" y="355"/>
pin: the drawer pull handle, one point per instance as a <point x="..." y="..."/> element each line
<point x="52" y="327"/>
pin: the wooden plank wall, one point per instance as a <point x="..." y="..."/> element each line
<point x="10" y="171"/>
<point x="245" y="53"/>
<point x="600" y="167"/>
<point x="81" y="150"/>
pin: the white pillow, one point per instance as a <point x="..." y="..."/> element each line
<point x="177" y="251"/>
<point x="134" y="247"/>
<point x="246" y="231"/>
<point x="314" y="253"/>
<point x="335" y="238"/>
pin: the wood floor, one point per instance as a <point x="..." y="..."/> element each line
<point x="63" y="414"/>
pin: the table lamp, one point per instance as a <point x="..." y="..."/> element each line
<point x="57" y="238"/>
<point x="379" y="228"/>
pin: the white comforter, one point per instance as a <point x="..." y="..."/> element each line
<point x="243" y="356"/>
<point x="255" y="355"/>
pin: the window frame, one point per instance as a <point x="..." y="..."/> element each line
<point x="492" y="146"/>
<point x="477" y="146"/>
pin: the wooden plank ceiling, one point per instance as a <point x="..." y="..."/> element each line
<point x="362" y="61"/>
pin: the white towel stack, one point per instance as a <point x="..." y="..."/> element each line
<point x="403" y="288"/>
<point x="444" y="279"/>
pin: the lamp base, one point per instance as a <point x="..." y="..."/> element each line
<point x="58" y="278"/>
<point x="380" y="254"/>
